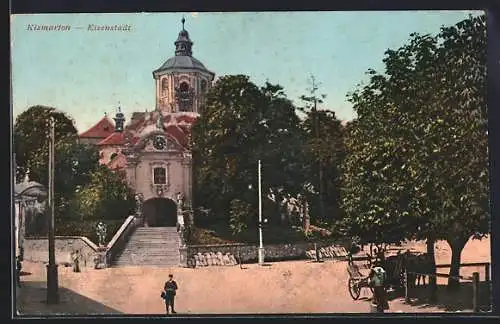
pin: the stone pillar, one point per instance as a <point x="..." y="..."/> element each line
<point x="188" y="186"/>
<point x="100" y="258"/>
<point x="131" y="172"/>
<point x="183" y="256"/>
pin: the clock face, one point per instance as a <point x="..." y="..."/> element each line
<point x="159" y="142"/>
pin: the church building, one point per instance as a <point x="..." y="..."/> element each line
<point x="153" y="148"/>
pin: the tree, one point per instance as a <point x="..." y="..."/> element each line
<point x="74" y="164"/>
<point x="417" y="154"/>
<point x="328" y="149"/>
<point x="240" y="124"/>
<point x="106" y="197"/>
<point x="31" y="133"/>
<point x="311" y="101"/>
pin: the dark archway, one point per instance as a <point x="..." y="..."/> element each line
<point x="160" y="212"/>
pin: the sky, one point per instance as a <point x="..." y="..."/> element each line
<point x="88" y="73"/>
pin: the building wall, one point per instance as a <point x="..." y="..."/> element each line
<point x="37" y="250"/>
<point x="144" y="175"/>
<point x="273" y="252"/>
<point x="165" y="98"/>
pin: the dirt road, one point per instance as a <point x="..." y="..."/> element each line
<point x="284" y="287"/>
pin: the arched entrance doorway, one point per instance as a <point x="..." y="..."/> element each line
<point x="160" y="212"/>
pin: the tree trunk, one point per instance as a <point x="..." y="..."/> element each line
<point x="457" y="246"/>
<point x="432" y="268"/>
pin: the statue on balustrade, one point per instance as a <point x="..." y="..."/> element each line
<point x="101" y="233"/>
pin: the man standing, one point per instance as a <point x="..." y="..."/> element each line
<point x="169" y="293"/>
<point x="377" y="279"/>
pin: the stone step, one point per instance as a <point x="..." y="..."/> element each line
<point x="162" y="265"/>
<point x="158" y="259"/>
<point x="150" y="246"/>
<point x="162" y="230"/>
<point x="154" y="239"/>
<point x="153" y="244"/>
<point x="148" y="260"/>
<point x="151" y="263"/>
<point x="149" y="254"/>
<point x="142" y="251"/>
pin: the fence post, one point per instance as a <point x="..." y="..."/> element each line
<point x="407" y="295"/>
<point x="475" y="292"/>
<point x="487" y="272"/>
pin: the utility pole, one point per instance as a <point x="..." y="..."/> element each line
<point x="52" y="284"/>
<point x="320" y="165"/>
<point x="261" y="244"/>
<point x="312" y="100"/>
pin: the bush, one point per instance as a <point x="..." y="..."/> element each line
<point x="107" y="197"/>
<point x="238" y="220"/>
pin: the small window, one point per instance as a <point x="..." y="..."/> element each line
<point x="106" y="128"/>
<point x="159" y="176"/>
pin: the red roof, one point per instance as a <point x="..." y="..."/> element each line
<point x="177" y="133"/>
<point x="186" y="119"/>
<point x="102" y="129"/>
<point x="119" y="162"/>
<point x="116" y="138"/>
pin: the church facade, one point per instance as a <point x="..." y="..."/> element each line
<point x="153" y="148"/>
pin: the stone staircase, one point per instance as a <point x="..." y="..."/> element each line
<point x="150" y="246"/>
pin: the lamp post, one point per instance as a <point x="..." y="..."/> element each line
<point x="52" y="284"/>
<point x="261" y="244"/>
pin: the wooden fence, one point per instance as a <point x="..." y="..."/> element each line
<point x="474" y="279"/>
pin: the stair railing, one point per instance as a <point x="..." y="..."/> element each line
<point x="121" y="237"/>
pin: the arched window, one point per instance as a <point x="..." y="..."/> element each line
<point x="203" y="86"/>
<point x="164" y="87"/>
<point x="184" y="87"/>
<point x="184" y="97"/>
<point x="159" y="176"/>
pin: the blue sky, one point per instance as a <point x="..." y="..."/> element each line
<point x="88" y="73"/>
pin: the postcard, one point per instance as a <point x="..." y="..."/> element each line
<point x="301" y="163"/>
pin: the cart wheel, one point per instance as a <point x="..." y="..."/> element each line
<point x="354" y="288"/>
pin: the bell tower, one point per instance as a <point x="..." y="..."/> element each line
<point x="182" y="81"/>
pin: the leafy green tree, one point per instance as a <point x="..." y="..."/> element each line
<point x="240" y="124"/>
<point x="324" y="155"/>
<point x="74" y="164"/>
<point x="240" y="213"/>
<point x="416" y="163"/>
<point x="106" y="197"/>
<point x="313" y="129"/>
<point x="31" y="133"/>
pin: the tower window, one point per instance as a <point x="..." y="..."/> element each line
<point x="159" y="176"/>
<point x="203" y="86"/>
<point x="184" y="87"/>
